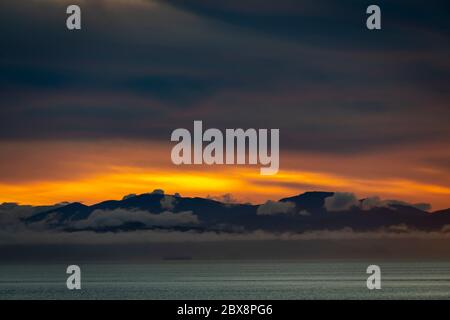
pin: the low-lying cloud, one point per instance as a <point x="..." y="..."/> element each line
<point x="168" y="202"/>
<point x="119" y="217"/>
<point x="11" y="213"/>
<point x="372" y="202"/>
<point x="165" y="236"/>
<point x="276" y="207"/>
<point x="226" y="198"/>
<point x="343" y="201"/>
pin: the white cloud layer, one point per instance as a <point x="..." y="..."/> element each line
<point x="161" y="236"/>
<point x="275" y="207"/>
<point x="168" y="202"/>
<point x="118" y="217"/>
<point x="342" y="201"/>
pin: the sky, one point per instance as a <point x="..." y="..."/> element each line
<point x="87" y="115"/>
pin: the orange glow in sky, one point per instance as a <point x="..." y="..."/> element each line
<point x="51" y="172"/>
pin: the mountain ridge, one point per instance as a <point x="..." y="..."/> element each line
<point x="303" y="212"/>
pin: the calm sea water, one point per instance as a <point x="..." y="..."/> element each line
<point x="228" y="280"/>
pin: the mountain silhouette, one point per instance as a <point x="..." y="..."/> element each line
<point x="312" y="202"/>
<point x="305" y="212"/>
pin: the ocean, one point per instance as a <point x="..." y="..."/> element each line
<point x="190" y="279"/>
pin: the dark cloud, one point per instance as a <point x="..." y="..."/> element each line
<point x="327" y="22"/>
<point x="312" y="70"/>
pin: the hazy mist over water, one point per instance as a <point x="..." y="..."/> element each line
<point x="228" y="280"/>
